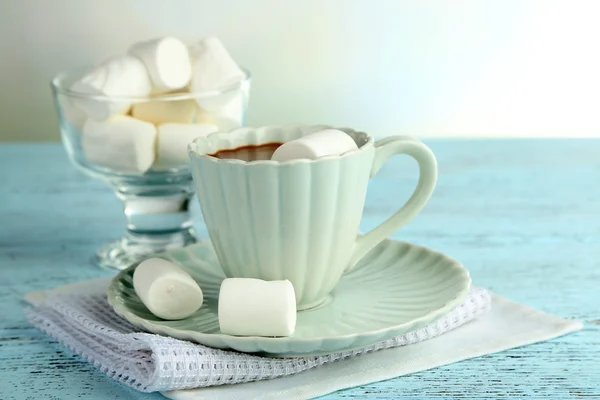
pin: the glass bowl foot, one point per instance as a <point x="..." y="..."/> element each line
<point x="133" y="248"/>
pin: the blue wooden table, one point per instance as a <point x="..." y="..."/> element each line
<point x="522" y="215"/>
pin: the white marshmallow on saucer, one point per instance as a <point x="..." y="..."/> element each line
<point x="124" y="76"/>
<point x="167" y="60"/>
<point x="160" y="112"/>
<point x="212" y="67"/>
<point x="122" y="143"/>
<point x="173" y="140"/>
<point x="166" y="290"/>
<point x="319" y="144"/>
<point x="253" y="307"/>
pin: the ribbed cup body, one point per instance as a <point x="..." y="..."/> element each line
<point x="296" y="220"/>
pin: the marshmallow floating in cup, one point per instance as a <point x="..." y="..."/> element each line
<point x="173" y="140"/>
<point x="166" y="290"/>
<point x="253" y="307"/>
<point x="167" y="60"/>
<point x="124" y="76"/>
<point x="318" y="144"/>
<point x="123" y="143"/>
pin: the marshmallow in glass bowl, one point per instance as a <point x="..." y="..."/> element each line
<point x="167" y="62"/>
<point x="160" y="81"/>
<point x="110" y="87"/>
<point x="127" y="121"/>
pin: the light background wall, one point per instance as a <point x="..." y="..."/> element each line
<point x="427" y="67"/>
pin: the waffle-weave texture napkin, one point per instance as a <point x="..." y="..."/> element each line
<point x="80" y="318"/>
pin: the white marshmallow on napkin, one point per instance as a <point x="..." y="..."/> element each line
<point x="160" y="112"/>
<point x="166" y="290"/>
<point x="173" y="140"/>
<point x="167" y="60"/>
<point x="318" y="144"/>
<point x="124" y="76"/>
<point x="253" y="307"/>
<point x="122" y="143"/>
<point x="212" y="67"/>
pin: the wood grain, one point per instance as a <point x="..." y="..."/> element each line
<point x="522" y="215"/>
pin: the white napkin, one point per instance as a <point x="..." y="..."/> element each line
<point x="79" y="317"/>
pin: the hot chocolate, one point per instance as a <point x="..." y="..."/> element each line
<point x="249" y="153"/>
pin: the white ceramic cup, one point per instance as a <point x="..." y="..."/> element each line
<point x="298" y="219"/>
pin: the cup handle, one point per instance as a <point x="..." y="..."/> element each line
<point x="384" y="149"/>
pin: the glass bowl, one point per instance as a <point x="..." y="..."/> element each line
<point x="156" y="194"/>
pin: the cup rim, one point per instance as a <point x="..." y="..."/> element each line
<point x="57" y="84"/>
<point x="237" y="132"/>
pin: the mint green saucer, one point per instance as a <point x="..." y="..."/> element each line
<point x="398" y="287"/>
